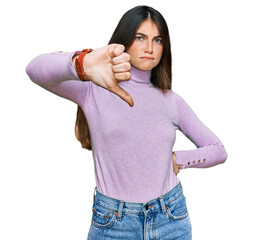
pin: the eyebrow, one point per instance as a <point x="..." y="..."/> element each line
<point x="142" y="34"/>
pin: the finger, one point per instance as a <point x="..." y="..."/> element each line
<point x="115" y="50"/>
<point x="124" y="76"/>
<point x="122" y="67"/>
<point x="124" y="57"/>
<point x="122" y="94"/>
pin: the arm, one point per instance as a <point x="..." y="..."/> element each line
<point x="210" y="150"/>
<point x="105" y="67"/>
<point x="56" y="73"/>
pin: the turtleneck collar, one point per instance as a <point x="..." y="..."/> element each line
<point x="140" y="76"/>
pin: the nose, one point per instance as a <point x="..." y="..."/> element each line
<point x="149" y="47"/>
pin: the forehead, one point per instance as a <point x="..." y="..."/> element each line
<point x="148" y="27"/>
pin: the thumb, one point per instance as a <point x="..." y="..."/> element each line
<point x="123" y="94"/>
<point x="115" y="50"/>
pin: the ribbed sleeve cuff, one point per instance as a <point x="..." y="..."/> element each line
<point x="191" y="158"/>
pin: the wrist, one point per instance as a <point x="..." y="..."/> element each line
<point x="86" y="67"/>
<point x="79" y="63"/>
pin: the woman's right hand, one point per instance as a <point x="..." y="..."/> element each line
<point x="107" y="66"/>
<point x="176" y="167"/>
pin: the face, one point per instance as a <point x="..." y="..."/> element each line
<point x="146" y="49"/>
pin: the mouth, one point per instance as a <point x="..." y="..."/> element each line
<point x="149" y="58"/>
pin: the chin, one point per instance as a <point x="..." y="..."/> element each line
<point x="144" y="68"/>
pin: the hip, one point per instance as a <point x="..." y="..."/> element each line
<point x="165" y="217"/>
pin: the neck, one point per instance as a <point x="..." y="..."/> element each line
<point x="140" y="76"/>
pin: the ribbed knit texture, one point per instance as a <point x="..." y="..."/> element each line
<point x="131" y="146"/>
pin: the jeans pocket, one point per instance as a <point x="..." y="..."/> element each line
<point x="102" y="217"/>
<point x="177" y="209"/>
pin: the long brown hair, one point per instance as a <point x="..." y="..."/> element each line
<point x="124" y="34"/>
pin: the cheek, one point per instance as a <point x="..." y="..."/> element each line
<point x="131" y="54"/>
<point x="159" y="55"/>
<point x="135" y="49"/>
<point x="160" y="52"/>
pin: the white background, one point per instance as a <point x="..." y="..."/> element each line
<point x="47" y="179"/>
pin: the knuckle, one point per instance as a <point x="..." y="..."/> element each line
<point x="128" y="66"/>
<point x="114" y="60"/>
<point x="111" y="86"/>
<point x="121" y="46"/>
<point x="109" y="47"/>
<point x="114" y="68"/>
<point x="127" y="75"/>
<point x="117" y="76"/>
<point x="126" y="56"/>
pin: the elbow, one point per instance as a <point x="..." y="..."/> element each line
<point x="30" y="71"/>
<point x="35" y="71"/>
<point x="223" y="155"/>
<point x="218" y="153"/>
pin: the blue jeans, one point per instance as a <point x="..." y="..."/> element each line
<point x="163" y="218"/>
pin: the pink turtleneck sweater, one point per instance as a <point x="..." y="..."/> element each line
<point x="131" y="146"/>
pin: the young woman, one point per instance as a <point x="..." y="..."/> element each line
<point x="128" y="115"/>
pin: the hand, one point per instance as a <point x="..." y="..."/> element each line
<point x="175" y="165"/>
<point x="107" y="66"/>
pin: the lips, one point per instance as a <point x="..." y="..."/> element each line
<point x="146" y="57"/>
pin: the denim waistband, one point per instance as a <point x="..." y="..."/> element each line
<point x="122" y="206"/>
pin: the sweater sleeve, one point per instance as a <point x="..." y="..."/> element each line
<point x="56" y="73"/>
<point x="210" y="150"/>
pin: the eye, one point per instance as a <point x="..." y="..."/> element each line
<point x="158" y="40"/>
<point x="139" y="38"/>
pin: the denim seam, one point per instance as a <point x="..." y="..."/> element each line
<point x="104" y="206"/>
<point x="106" y="225"/>
<point x="171" y="200"/>
<point x="179" y="217"/>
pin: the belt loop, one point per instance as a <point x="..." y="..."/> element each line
<point x="119" y="215"/>
<point x="162" y="204"/>
<point x="94" y="195"/>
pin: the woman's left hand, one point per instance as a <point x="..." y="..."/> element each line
<point x="175" y="165"/>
